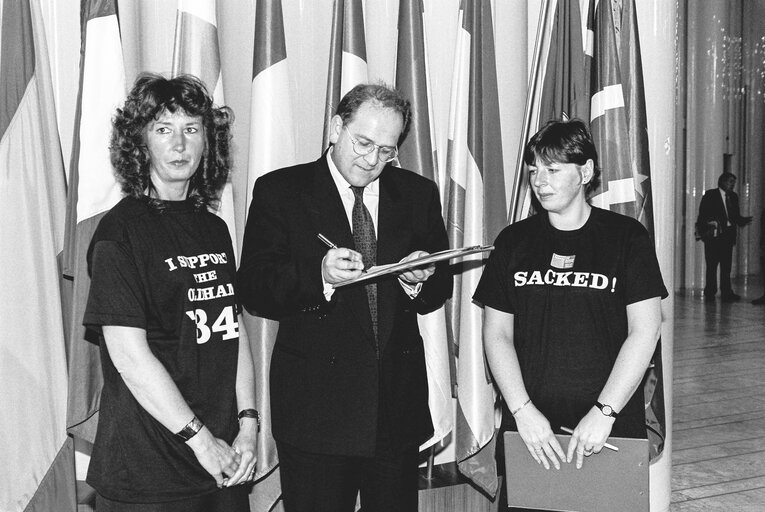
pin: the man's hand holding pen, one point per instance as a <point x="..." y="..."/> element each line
<point x="340" y="265"/>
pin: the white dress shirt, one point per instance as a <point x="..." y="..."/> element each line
<point x="372" y="202"/>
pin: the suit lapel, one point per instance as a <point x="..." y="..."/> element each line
<point x="393" y="222"/>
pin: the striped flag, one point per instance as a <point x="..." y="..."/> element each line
<point x="476" y="213"/>
<point x="619" y="129"/>
<point x="93" y="190"/>
<point x="609" y="69"/>
<point x="347" y="57"/>
<point x="418" y="155"/>
<point x="37" y="470"/>
<point x="196" y="52"/>
<point x="272" y="146"/>
<point x="560" y="82"/>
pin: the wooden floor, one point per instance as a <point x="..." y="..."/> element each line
<point x="718" y="456"/>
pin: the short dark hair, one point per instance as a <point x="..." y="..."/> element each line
<point x="151" y="96"/>
<point x="724" y="176"/>
<point x="565" y="142"/>
<point x="382" y="96"/>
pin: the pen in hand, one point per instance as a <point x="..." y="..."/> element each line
<point x="332" y="245"/>
<point x="326" y="241"/>
<point x="606" y="445"/>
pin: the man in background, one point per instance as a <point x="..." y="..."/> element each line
<point x="717" y="225"/>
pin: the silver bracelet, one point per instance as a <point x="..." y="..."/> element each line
<point x="524" y="404"/>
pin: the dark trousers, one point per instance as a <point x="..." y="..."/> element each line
<point x="719" y="252"/>
<point x="229" y="499"/>
<point x="387" y="482"/>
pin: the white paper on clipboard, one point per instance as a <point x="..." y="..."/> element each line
<point x="396" y="268"/>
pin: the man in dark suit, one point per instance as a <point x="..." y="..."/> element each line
<point x="349" y="393"/>
<point x="718" y="221"/>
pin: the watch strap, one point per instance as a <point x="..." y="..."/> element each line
<point x="250" y="413"/>
<point x="607" y="410"/>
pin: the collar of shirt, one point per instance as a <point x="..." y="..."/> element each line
<point x="371" y="193"/>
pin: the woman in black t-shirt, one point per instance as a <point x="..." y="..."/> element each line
<point x="572" y="307"/>
<point x="163" y="304"/>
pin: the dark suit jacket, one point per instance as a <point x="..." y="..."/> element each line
<point x="327" y="386"/>
<point x="712" y="208"/>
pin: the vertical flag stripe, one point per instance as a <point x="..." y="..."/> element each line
<point x="476" y="213"/>
<point x="37" y="465"/>
<point x="270" y="47"/>
<point x="411" y="79"/>
<point x="93" y="190"/>
<point x="196" y="51"/>
<point x="347" y="57"/>
<point x="196" y="48"/>
<point x="272" y="146"/>
<point x="17" y="59"/>
<point x="416" y="154"/>
<point x="484" y="134"/>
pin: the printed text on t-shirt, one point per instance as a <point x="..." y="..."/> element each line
<point x="553" y="278"/>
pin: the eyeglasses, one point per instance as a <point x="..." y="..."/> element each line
<point x="384" y="153"/>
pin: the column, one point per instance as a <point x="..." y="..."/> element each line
<point x="657" y="25"/>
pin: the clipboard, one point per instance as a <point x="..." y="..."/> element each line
<point x="606" y="482"/>
<point x="394" y="268"/>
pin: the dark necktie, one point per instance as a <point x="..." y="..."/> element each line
<point x="727" y="209"/>
<point x="365" y="240"/>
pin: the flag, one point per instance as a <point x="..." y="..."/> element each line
<point x="417" y="154"/>
<point x="566" y="87"/>
<point x="347" y="57"/>
<point x="604" y="64"/>
<point x="619" y="129"/>
<point x="37" y="470"/>
<point x="272" y="146"/>
<point x="560" y="85"/>
<point x="476" y="212"/>
<point x="196" y="52"/>
<point x="93" y="190"/>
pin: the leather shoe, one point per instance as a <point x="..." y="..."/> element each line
<point x="759" y="302"/>
<point x="731" y="297"/>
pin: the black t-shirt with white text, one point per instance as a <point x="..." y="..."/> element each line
<point x="568" y="292"/>
<point x="169" y="271"/>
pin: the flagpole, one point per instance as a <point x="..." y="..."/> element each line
<point x="531" y="97"/>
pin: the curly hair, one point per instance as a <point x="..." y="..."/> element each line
<point x="151" y="96"/>
<point x="565" y="142"/>
<point x="380" y="95"/>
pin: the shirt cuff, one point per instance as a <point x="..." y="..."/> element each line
<point x="329" y="290"/>
<point x="411" y="290"/>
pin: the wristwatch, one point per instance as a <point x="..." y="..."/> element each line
<point x="606" y="409"/>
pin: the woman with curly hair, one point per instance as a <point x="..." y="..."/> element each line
<point x="177" y="429"/>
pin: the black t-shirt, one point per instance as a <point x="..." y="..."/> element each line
<point x="169" y="271"/>
<point x="568" y="292"/>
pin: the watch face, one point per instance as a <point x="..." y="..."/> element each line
<point x="607" y="410"/>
